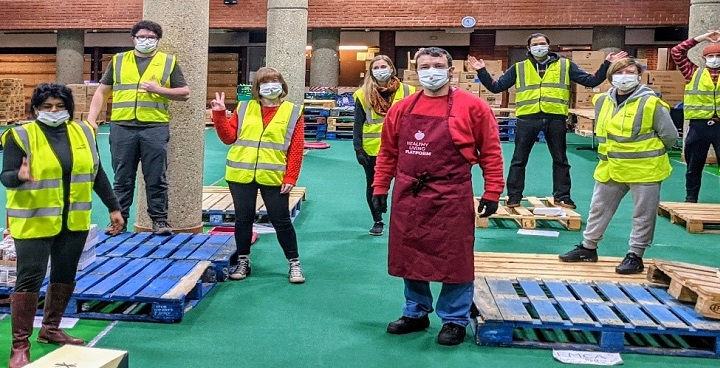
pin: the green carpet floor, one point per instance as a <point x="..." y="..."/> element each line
<point x="338" y="317"/>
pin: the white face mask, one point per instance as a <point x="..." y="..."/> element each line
<point x="271" y="90"/>
<point x="712" y="62"/>
<point x="625" y="82"/>
<point x="147" y="45"/>
<point x="433" y="78"/>
<point x="539" y="50"/>
<point x="53" y="118"/>
<point x="381" y="74"/>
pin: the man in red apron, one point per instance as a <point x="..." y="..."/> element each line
<point x="430" y="141"/>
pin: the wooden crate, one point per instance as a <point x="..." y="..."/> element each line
<point x="323" y="104"/>
<point x="340" y="124"/>
<point x="690" y="283"/>
<point x="523" y="215"/>
<point x="697" y="217"/>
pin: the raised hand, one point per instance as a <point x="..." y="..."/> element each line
<point x="476" y="64"/>
<point x="710" y="36"/>
<point x="218" y="104"/>
<point x="615" y="56"/>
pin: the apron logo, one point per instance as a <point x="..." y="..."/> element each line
<point x="418" y="148"/>
<point x="419" y="135"/>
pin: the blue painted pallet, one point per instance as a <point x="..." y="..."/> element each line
<point x="201" y="247"/>
<point x="138" y="289"/>
<point x="218" y="209"/>
<point x="339" y="135"/>
<point x="599" y="316"/>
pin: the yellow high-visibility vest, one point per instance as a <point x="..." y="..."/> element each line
<point x="549" y="94"/>
<point x="372" y="127"/>
<point x="260" y="152"/>
<point x="35" y="208"/>
<point x="130" y="102"/>
<point x="702" y="96"/>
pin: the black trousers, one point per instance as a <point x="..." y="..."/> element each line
<point x="63" y="249"/>
<point x="526" y="132"/>
<point x="369" y="177"/>
<point x="244" y="197"/>
<point x="130" y="146"/>
<point x="699" y="137"/>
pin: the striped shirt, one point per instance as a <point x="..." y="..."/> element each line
<point x="686" y="66"/>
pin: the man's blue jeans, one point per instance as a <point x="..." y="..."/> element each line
<point x="453" y="305"/>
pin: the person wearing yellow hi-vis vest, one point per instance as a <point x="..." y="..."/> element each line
<point x="267" y="137"/>
<point x="142" y="83"/>
<point x="634" y="130"/>
<point x="50" y="168"/>
<point x="542" y="83"/>
<point x="381" y="89"/>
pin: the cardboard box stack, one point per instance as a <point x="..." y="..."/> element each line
<point x="669" y="83"/>
<point x="83" y="94"/>
<point x="12" y="101"/>
<point x="494" y="67"/>
<point x="589" y="61"/>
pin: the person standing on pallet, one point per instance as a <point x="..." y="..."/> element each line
<point x="634" y="130"/>
<point x="142" y="83"/>
<point x="50" y="168"/>
<point x="267" y="138"/>
<point x="542" y="82"/>
<point x="701" y="104"/>
<point x="430" y="141"/>
<point x="380" y="90"/>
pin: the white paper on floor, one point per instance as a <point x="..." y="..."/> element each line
<point x="587" y="357"/>
<point x="550" y="234"/>
<point x="67" y="322"/>
<point x="551" y="211"/>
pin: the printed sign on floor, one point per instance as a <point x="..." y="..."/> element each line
<point x="587" y="357"/>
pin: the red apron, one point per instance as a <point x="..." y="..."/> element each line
<point x="432" y="232"/>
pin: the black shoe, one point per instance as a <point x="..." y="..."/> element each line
<point x="161" y="227"/>
<point x="691" y="200"/>
<point x="377" y="229"/>
<point x="406" y="325"/>
<point x="580" y="254"/>
<point x="565" y="202"/>
<point x="630" y="265"/>
<point x="513" y="201"/>
<point x="451" y="334"/>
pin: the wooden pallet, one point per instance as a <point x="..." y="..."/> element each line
<point x="592" y="315"/>
<point x="324" y="104"/>
<point x="218" y="209"/>
<point x="136" y="289"/>
<point x="523" y="215"/>
<point x="690" y="283"/>
<point x="549" y="267"/>
<point x="697" y="217"/>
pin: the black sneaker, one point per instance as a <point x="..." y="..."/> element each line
<point x="565" y="202"/>
<point x="690" y="200"/>
<point x="513" y="201"/>
<point x="451" y="334"/>
<point x="161" y="227"/>
<point x="630" y="265"/>
<point x="377" y="229"/>
<point x="406" y="325"/>
<point x="580" y="254"/>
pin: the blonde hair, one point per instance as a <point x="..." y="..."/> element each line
<point x="266" y="74"/>
<point x="621" y="64"/>
<point x="369" y="84"/>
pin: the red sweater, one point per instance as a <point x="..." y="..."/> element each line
<point x="686" y="66"/>
<point x="227" y="131"/>
<point x="473" y="129"/>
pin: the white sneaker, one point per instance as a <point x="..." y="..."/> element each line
<point x="243" y="269"/>
<point x="296" y="274"/>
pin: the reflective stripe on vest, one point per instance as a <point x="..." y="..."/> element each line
<point x="129" y="102"/>
<point x="702" y="96"/>
<point x="372" y="127"/>
<point x="629" y="149"/>
<point x="35" y="208"/>
<point x="549" y="94"/>
<point x="260" y="152"/>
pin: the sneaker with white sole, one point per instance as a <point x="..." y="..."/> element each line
<point x="295" y="275"/>
<point x="243" y="269"/>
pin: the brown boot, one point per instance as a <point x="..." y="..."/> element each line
<point x="56" y="300"/>
<point x="23" y="307"/>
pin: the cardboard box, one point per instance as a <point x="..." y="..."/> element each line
<point x="587" y="55"/>
<point x="493" y="99"/>
<point x="494" y="66"/>
<point x="663" y="77"/>
<point x="470" y="87"/>
<point x="459" y="66"/>
<point x="410" y="75"/>
<point x="467" y="77"/>
<point x="672" y="99"/>
<point x="603" y="87"/>
<point x="674" y="89"/>
<point x="81" y="356"/>
<point x="584" y="124"/>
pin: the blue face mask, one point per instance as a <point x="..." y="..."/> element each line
<point x="433" y="78"/>
<point x="53" y="118"/>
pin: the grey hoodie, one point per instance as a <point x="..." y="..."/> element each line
<point x="662" y="122"/>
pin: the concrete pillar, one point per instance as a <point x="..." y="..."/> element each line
<point x="387" y="45"/>
<point x="70" y="56"/>
<point x="325" y="60"/>
<point x="286" y="41"/>
<point x="704" y="16"/>
<point x="608" y="39"/>
<point x="189" y="41"/>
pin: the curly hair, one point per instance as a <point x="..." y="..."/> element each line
<point x="47" y="90"/>
<point x="149" y="25"/>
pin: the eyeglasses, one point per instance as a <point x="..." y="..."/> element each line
<point x="145" y="38"/>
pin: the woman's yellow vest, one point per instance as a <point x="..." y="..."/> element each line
<point x="372" y="127"/>
<point x="35" y="208"/>
<point x="260" y="153"/>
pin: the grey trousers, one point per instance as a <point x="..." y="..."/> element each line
<point x="605" y="201"/>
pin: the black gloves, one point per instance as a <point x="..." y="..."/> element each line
<point x="379" y="202"/>
<point x="489" y="207"/>
<point x="362" y="157"/>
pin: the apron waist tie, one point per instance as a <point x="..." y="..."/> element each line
<point x="421" y="180"/>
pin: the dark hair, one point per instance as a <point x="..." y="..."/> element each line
<point x="46" y="90"/>
<point x="536" y="35"/>
<point x="434" y="52"/>
<point x="149" y="25"/>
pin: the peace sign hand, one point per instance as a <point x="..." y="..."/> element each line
<point x="218" y="104"/>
